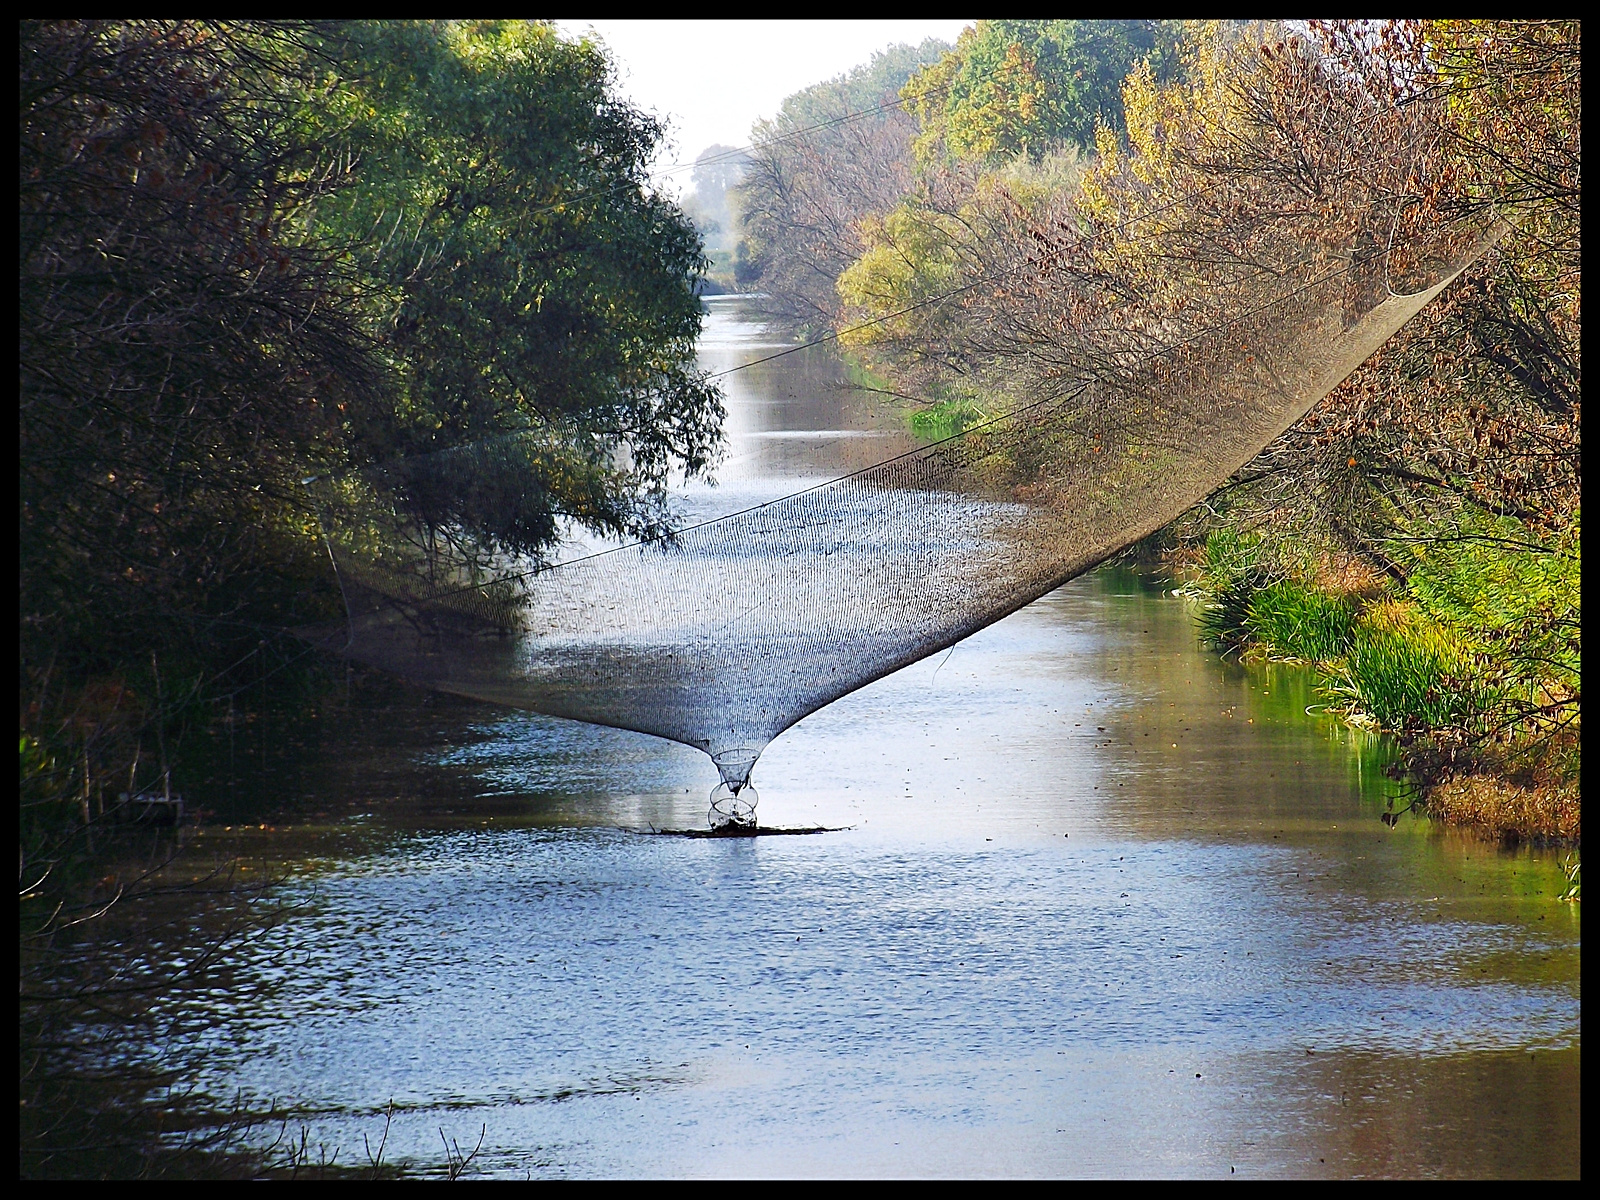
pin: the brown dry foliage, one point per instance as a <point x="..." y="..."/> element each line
<point x="1507" y="810"/>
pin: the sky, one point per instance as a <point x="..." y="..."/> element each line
<point x="711" y="79"/>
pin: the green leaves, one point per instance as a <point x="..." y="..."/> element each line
<point x="530" y="279"/>
<point x="1025" y="88"/>
<point x="252" y="253"/>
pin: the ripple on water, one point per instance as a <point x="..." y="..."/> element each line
<point x="1108" y="906"/>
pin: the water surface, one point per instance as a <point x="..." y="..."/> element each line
<point x="1103" y="904"/>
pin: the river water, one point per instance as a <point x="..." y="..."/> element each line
<point x="1098" y="903"/>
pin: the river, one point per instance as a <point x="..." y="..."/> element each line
<point x="1099" y="903"/>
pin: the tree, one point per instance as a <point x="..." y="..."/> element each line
<point x="717" y="169"/>
<point x="526" y="280"/>
<point x="187" y="351"/>
<point x="835" y="153"/>
<point x="1450" y="463"/>
<point x="255" y="252"/>
<point x="1013" y="88"/>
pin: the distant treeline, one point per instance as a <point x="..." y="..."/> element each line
<point x="846" y="152"/>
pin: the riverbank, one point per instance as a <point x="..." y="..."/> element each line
<point x="1466" y="651"/>
<point x="1460" y="661"/>
<point x="1414" y="534"/>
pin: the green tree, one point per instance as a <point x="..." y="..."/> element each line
<point x="524" y="277"/>
<point x="252" y="252"/>
<point x="717" y="170"/>
<point x="1013" y="88"/>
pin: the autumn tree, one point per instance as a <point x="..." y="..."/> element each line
<point x="834" y="154"/>
<point x="1449" y="464"/>
<point x="1016" y="87"/>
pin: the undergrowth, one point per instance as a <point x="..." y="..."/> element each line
<point x="946" y="419"/>
<point x="1472" y="659"/>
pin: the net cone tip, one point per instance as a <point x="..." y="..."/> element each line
<point x="734" y="766"/>
<point x="733" y="801"/>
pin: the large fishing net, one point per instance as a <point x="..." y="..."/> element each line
<point x="730" y="631"/>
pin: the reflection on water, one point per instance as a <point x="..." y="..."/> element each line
<point x="1106" y="905"/>
<point x="792" y="421"/>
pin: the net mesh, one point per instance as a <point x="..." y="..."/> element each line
<point x="727" y="633"/>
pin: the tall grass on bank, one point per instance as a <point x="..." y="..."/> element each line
<point x="1249" y="601"/>
<point x="1298" y="622"/>
<point x="1480" y="644"/>
<point x="1404" y="672"/>
<point x="946" y="419"/>
<point x="1474" y="661"/>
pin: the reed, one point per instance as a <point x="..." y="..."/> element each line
<point x="1294" y="621"/>
<point x="1405" y="672"/>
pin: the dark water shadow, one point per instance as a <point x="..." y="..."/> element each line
<point x="739" y="831"/>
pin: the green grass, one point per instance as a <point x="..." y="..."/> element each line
<point x="1394" y="664"/>
<point x="1473" y="659"/>
<point x="946" y="419"/>
<point x="1230" y="576"/>
<point x="1405" y="671"/>
<point x="1293" y="620"/>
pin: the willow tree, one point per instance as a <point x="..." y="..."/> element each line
<point x="523" y="277"/>
<point x="187" y="350"/>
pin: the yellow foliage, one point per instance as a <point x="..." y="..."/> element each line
<point x="913" y="255"/>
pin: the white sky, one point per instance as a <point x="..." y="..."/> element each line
<point x="711" y="79"/>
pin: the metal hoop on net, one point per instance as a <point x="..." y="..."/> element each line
<point x="733" y="801"/>
<point x="731" y="810"/>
